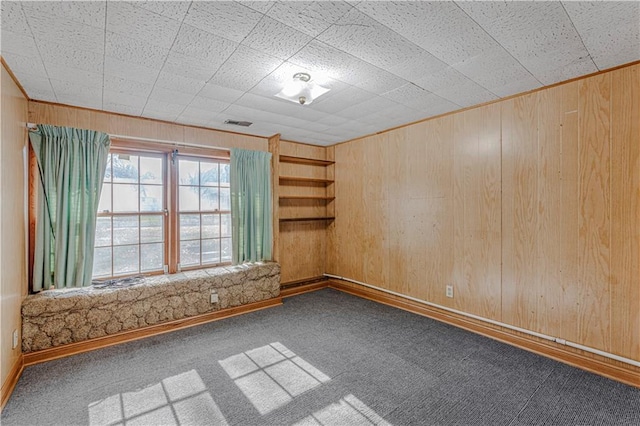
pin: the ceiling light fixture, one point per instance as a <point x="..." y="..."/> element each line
<point x="301" y="89"/>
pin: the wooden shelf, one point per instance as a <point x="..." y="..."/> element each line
<point x="301" y="160"/>
<point x="305" y="219"/>
<point x="304" y="180"/>
<point x="306" y="197"/>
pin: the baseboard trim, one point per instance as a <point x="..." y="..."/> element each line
<point x="11" y="381"/>
<point x="305" y="287"/>
<point x="550" y="350"/>
<point x="141" y="333"/>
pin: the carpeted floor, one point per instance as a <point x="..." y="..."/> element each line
<point x="323" y="358"/>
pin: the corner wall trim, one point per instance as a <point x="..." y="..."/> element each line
<point x="11" y="381"/>
<point x="44" y="355"/>
<point x="549" y="349"/>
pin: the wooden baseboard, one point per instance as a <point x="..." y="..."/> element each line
<point x="549" y="349"/>
<point x="11" y="381"/>
<point x="141" y="333"/>
<point x="295" y="289"/>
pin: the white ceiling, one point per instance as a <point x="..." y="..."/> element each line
<point x="386" y="63"/>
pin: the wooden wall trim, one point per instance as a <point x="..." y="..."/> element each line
<point x="296" y="289"/>
<point x="32" y="358"/>
<point x="14" y="78"/>
<point x="548" y="349"/>
<point x="11" y="381"/>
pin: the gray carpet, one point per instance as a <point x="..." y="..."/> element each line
<point x="323" y="358"/>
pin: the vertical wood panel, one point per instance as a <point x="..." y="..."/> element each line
<point x="594" y="218"/>
<point x="625" y="212"/>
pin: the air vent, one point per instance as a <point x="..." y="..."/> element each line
<point x="239" y="123"/>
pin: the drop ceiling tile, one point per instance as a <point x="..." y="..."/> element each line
<point x="231" y="20"/>
<point x="190" y="67"/>
<point x="416" y="66"/>
<point x="196" y="115"/>
<point x="368" y="107"/>
<point x="66" y="32"/>
<point x="80" y="101"/>
<point x="85" y="12"/>
<point x="162" y="110"/>
<point x="140" y="24"/>
<point x="47" y="95"/>
<point x="276" y="39"/>
<point x="54" y="54"/>
<point x="18" y="43"/>
<point x="170" y="96"/>
<point x="220" y="93"/>
<point x="498" y="72"/>
<point x="539" y="35"/>
<point x="244" y="69"/>
<point x="65" y="88"/>
<point x="134" y="51"/>
<point x="185" y="85"/>
<point x="126" y="86"/>
<point x="121" y="109"/>
<point x="455" y="87"/>
<point x="271" y="104"/>
<point x="129" y="71"/>
<point x="20" y="64"/>
<point x="609" y="30"/>
<point x="441" y="28"/>
<point x="170" y="9"/>
<point x="133" y="102"/>
<point x="333" y="102"/>
<point x="34" y="83"/>
<point x="13" y="18"/>
<point x="310" y="17"/>
<point x="422" y="100"/>
<point x="207" y="104"/>
<point x="258" y="6"/>
<point x="332" y="120"/>
<point x="75" y="76"/>
<point x="212" y="49"/>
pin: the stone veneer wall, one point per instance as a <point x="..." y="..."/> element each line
<point x="57" y="317"/>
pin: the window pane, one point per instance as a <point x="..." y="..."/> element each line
<point x="189" y="226"/>
<point x="211" y="251"/>
<point x="125" y="259"/>
<point x="125" y="168"/>
<point x="225" y="199"/>
<point x="151" y="257"/>
<point x="125" y="198"/>
<point x="208" y="174"/>
<point x="102" y="262"/>
<point x="104" y="206"/>
<point x="209" y="199"/>
<point x="103" y="232"/>
<point x="224" y="174"/>
<point x="210" y="226"/>
<point x="151" y="229"/>
<point x="226" y="249"/>
<point x="151" y="198"/>
<point x="125" y="230"/>
<point x="188" y="172"/>
<point x="189" y="253"/>
<point x="151" y="170"/>
<point x="189" y="198"/>
<point x="107" y="173"/>
<point x="225" y="227"/>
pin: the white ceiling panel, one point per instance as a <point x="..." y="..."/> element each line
<point x="227" y="19"/>
<point x="84" y="12"/>
<point x="386" y="63"/>
<point x="609" y="30"/>
<point x="310" y="17"/>
<point x="539" y="35"/>
<point x="244" y="69"/>
<point x="276" y="39"/>
<point x="125" y="19"/>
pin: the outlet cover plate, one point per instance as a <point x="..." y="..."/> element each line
<point x="449" y="291"/>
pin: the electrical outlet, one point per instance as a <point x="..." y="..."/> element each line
<point x="214" y="297"/>
<point x="449" y="291"/>
<point x="15" y="339"/>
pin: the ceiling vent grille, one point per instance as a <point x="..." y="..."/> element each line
<point x="238" y="123"/>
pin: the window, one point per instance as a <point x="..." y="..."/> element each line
<point x="130" y="229"/>
<point x="204" y="205"/>
<point x="160" y="211"/>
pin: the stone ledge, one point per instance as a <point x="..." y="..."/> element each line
<point x="58" y="317"/>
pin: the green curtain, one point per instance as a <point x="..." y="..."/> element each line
<point x="71" y="164"/>
<point x="251" y="213"/>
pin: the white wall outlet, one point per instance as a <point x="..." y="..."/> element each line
<point x="214" y="297"/>
<point x="449" y="291"/>
<point x="15" y="339"/>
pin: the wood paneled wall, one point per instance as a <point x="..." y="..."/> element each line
<point x="529" y="207"/>
<point x="13" y="277"/>
<point x="142" y="128"/>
